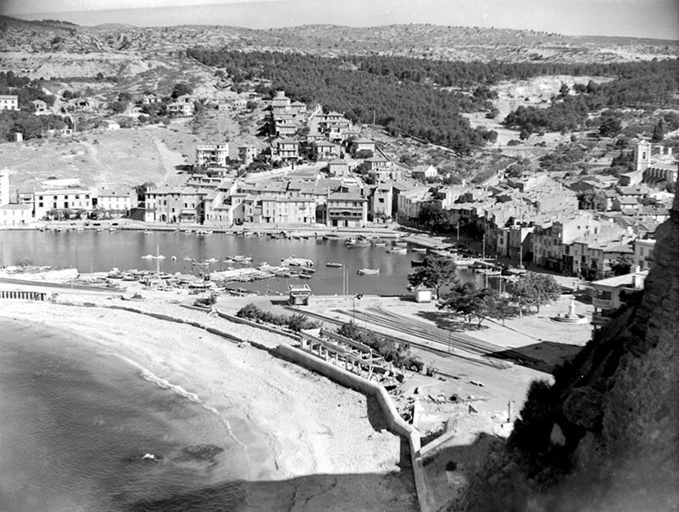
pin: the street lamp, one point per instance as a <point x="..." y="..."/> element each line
<point x="358" y="296"/>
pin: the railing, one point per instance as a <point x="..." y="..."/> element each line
<point x="22" y="295"/>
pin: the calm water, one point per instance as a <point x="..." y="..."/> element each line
<point x="75" y="423"/>
<point x="102" y="251"/>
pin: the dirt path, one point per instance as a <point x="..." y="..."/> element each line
<point x="170" y="159"/>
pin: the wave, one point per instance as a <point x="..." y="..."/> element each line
<point x="149" y="376"/>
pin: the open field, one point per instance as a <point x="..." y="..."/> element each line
<point x="120" y="158"/>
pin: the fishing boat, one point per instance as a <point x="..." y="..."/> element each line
<point x="380" y="243"/>
<point x="333" y="264"/>
<point x="304" y="276"/>
<point x="297" y="262"/>
<point x="368" y="271"/>
<point x="397" y="250"/>
<point x="238" y="258"/>
<point x="419" y="249"/>
<point x="401" y="244"/>
<point x="358" y="242"/>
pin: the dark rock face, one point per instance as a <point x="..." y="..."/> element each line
<point x="628" y="397"/>
<point x="617" y="405"/>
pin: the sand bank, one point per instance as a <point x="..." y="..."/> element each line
<point x="314" y="445"/>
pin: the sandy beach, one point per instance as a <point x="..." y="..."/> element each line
<point x="312" y="445"/>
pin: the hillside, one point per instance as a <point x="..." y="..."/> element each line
<point x="44" y="49"/>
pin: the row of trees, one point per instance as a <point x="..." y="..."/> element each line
<point x="528" y="292"/>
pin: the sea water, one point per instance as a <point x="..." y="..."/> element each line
<point x="83" y="429"/>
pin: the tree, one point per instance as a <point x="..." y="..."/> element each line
<point x="592" y="200"/>
<point x="433" y="217"/>
<point x="535" y="290"/>
<point x="621" y="266"/>
<point x="435" y="272"/>
<point x="610" y="127"/>
<point x="181" y="89"/>
<point x="658" y="132"/>
<point x="469" y="301"/>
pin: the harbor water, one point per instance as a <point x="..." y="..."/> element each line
<point x="100" y="251"/>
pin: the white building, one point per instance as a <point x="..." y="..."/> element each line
<point x="70" y="199"/>
<point x="609" y="294"/>
<point x="15" y="215"/>
<point x="118" y="200"/>
<point x="9" y="102"/>
<point x="643" y="253"/>
<point x="4" y="186"/>
<point x="212" y="155"/>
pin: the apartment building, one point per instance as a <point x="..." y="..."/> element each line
<point x="212" y="155"/>
<point x="551" y="233"/>
<point x="347" y="210"/>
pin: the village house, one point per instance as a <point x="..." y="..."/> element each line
<point x="288" y="211"/>
<point x="109" y="125"/>
<point x="551" y="233"/>
<point x="287" y="149"/>
<point x="212" y="155"/>
<point x="324" y="150"/>
<point x="382" y="207"/>
<point x="410" y="203"/>
<point x="347" y="210"/>
<point x="50" y="201"/>
<point x="16" y="215"/>
<point x="609" y="294"/>
<point x="115" y="200"/>
<point x="175" y="205"/>
<point x="39" y="107"/>
<point x="362" y="144"/>
<point x="591" y="257"/>
<point x="643" y="252"/>
<point x="424" y="172"/>
<point x="247" y="154"/>
<point x="9" y="102"/>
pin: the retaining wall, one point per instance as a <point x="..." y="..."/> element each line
<point x="396" y="423"/>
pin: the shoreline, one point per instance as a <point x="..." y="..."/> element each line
<point x="311" y="425"/>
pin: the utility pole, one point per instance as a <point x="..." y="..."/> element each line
<point x="458" y="232"/>
<point x="483" y="251"/>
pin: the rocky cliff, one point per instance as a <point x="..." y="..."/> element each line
<point x="605" y="436"/>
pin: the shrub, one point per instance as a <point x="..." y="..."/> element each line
<point x="295" y="323"/>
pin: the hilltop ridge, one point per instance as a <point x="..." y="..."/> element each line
<point x="420" y="41"/>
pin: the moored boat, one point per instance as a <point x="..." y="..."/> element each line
<point x="397" y="250"/>
<point x="368" y="271"/>
<point x="333" y="264"/>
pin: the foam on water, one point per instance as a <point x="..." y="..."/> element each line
<point x="149" y="376"/>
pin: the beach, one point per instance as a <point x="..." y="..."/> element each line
<point x="311" y="444"/>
